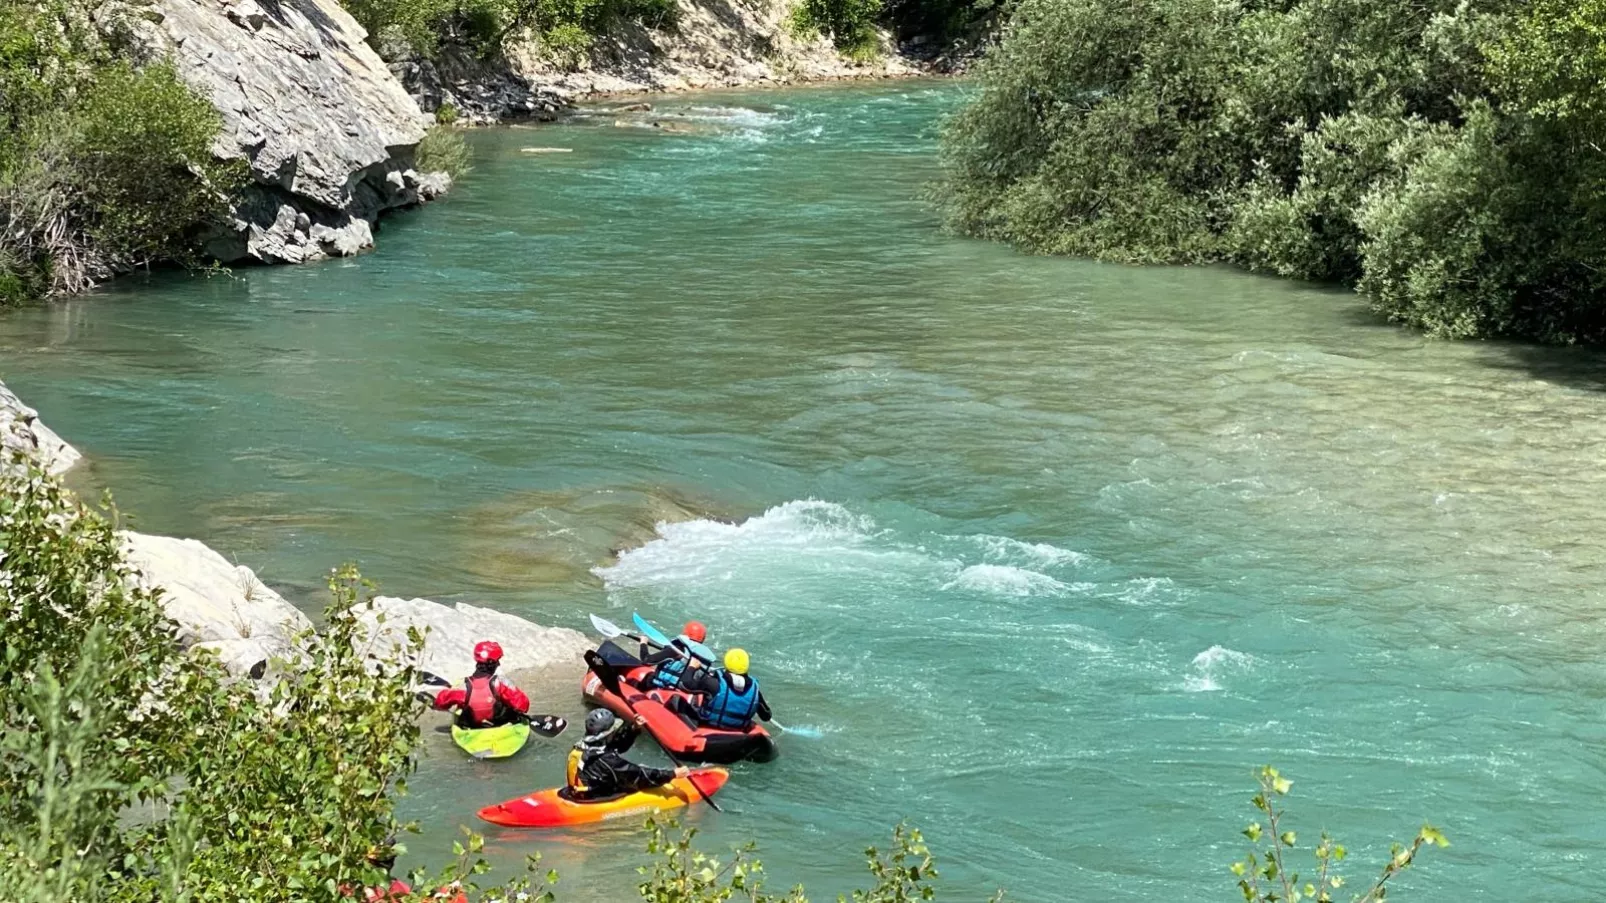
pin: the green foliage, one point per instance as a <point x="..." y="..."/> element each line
<point x="1444" y="156"/>
<point x="1264" y="875"/>
<point x="105" y="160"/>
<point x="277" y="790"/>
<point x="850" y="24"/>
<point x="680" y="873"/>
<point x="566" y="28"/>
<point x="443" y="150"/>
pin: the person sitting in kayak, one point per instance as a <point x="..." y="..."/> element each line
<point x="684" y="651"/>
<point x="730" y="697"/>
<point x="485" y="699"/>
<point x="597" y="766"/>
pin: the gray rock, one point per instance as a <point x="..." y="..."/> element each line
<point x="218" y="605"/>
<point x="320" y="120"/>
<point x="450" y="633"/>
<point x="22" y="433"/>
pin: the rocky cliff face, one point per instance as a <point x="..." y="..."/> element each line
<point x="327" y="131"/>
<point x="714" y="43"/>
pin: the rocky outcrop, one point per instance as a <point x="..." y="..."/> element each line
<point x="450" y="633"/>
<point x="218" y="605"/>
<point x="327" y="132"/>
<point x="224" y="607"/>
<point x="712" y="44"/>
<point x="23" y="434"/>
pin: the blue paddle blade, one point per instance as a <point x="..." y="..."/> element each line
<point x="647" y="630"/>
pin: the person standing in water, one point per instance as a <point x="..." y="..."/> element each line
<point x="486" y="699"/>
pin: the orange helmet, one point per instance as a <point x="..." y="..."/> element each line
<point x="695" y="631"/>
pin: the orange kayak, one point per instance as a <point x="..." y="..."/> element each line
<point x="549" y="809"/>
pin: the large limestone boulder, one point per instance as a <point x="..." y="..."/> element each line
<point x="218" y="605"/>
<point x="22" y="433"/>
<point x="450" y="633"/>
<point x="326" y="129"/>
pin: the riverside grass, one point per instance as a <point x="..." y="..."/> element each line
<point x="1443" y="157"/>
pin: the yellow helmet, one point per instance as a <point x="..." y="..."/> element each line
<point x="736" y="661"/>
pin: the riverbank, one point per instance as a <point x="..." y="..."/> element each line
<point x="713" y="46"/>
<point x="225" y="609"/>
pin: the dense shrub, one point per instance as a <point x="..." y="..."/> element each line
<point x="850" y="24"/>
<point x="566" y="27"/>
<point x="443" y="150"/>
<point x="1443" y="156"/>
<point x="105" y="159"/>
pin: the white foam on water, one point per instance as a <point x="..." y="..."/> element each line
<point x="1003" y="549"/>
<point x="709" y="548"/>
<point x="740" y="116"/>
<point x="1005" y="580"/>
<point x="1213" y="664"/>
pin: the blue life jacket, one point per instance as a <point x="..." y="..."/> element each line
<point x="669" y="672"/>
<point x="728" y="709"/>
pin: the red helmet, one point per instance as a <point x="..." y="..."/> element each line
<point x="694" y="630"/>
<point x="488" y="651"/>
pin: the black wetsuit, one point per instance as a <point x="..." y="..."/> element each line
<point x="606" y="772"/>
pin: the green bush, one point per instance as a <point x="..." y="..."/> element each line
<point x="850" y="24"/>
<point x="569" y="27"/>
<point x="1442" y="156"/>
<point x="443" y="150"/>
<point x="104" y="164"/>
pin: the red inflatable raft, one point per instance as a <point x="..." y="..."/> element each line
<point x="678" y="734"/>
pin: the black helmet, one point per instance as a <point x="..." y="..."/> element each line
<point x="598" y="721"/>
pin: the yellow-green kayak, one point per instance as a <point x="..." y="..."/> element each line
<point x="492" y="742"/>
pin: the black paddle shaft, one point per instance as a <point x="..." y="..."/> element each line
<point x="610" y="679"/>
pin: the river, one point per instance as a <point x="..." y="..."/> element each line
<point x="1051" y="553"/>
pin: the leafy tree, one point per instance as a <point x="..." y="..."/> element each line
<point x="1443" y="156"/>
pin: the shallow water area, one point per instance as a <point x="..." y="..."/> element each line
<point x="1050" y="553"/>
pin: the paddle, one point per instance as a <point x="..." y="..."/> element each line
<point x="660" y="639"/>
<point x="610" y="679"/>
<point x="608" y="629"/>
<point x="611" y="631"/>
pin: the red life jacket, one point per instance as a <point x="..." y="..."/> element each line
<point x="482" y="704"/>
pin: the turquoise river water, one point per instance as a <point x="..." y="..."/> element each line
<point x="1051" y="553"/>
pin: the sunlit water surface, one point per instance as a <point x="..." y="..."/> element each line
<point x="1050" y="552"/>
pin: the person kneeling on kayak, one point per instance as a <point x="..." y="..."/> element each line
<point x="684" y="651"/>
<point x="485" y="699"/>
<point x="597" y="766"/>
<point x="730" y="697"/>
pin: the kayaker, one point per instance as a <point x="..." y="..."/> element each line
<point x="486" y="699"/>
<point x="684" y="651"/>
<point x="597" y="766"/>
<point x="730" y="697"/>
